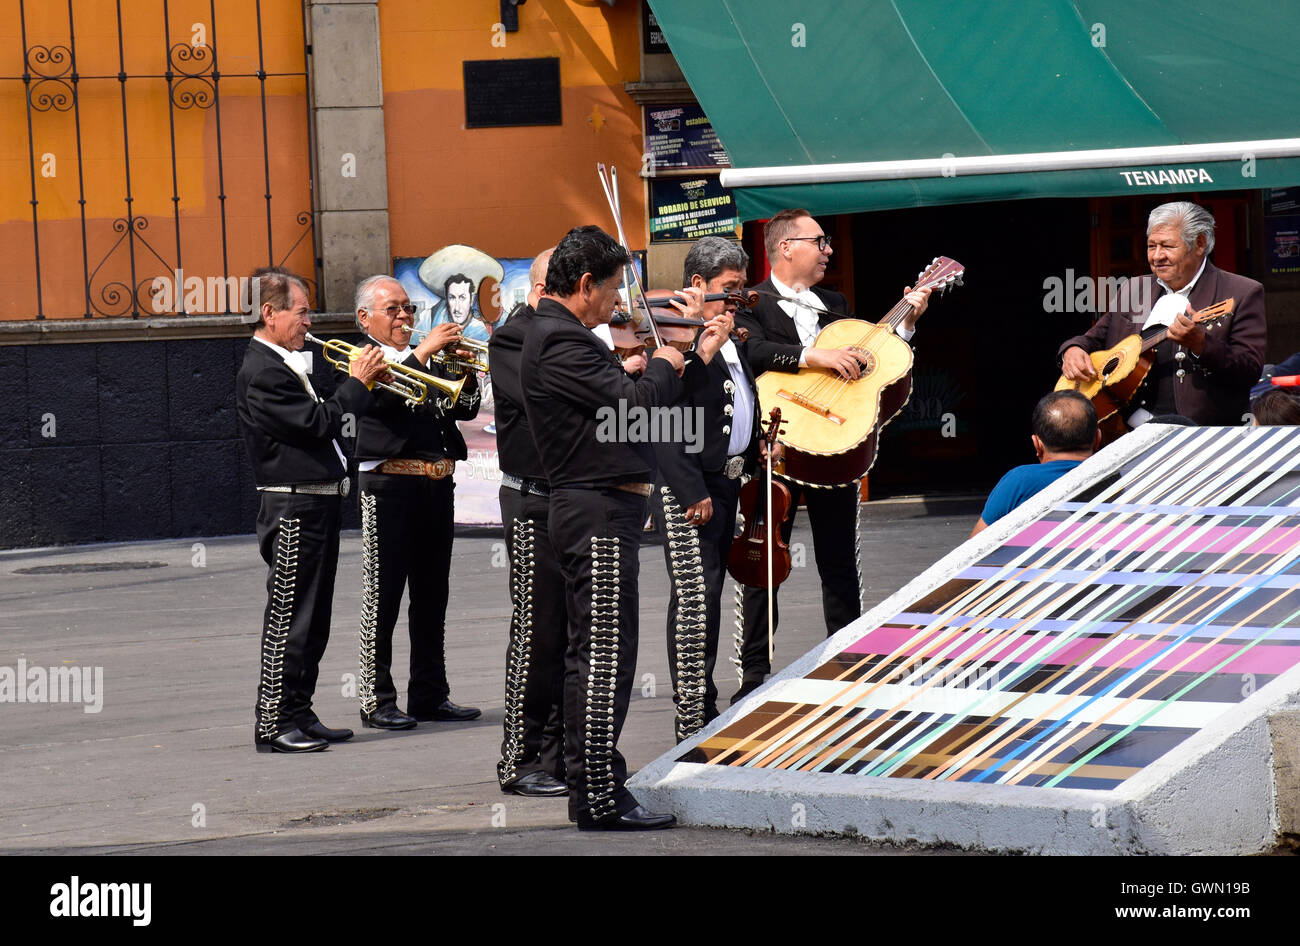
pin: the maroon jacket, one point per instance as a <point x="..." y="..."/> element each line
<point x="1216" y="388"/>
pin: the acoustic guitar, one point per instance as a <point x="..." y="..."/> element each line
<point x="832" y="424"/>
<point x="1122" y="369"/>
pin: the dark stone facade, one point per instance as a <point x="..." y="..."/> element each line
<point x="117" y="441"/>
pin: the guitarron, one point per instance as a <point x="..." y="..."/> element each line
<point x="832" y="424"/>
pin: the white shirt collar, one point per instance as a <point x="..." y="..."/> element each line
<point x="789" y="293"/>
<point x="1186" y="290"/>
<point x="284" y="353"/>
<point x="391" y="353"/>
<point x="299" y="362"/>
<point x="1173" y="303"/>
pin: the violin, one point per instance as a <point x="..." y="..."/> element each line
<point x="758" y="551"/>
<point x="674" y="328"/>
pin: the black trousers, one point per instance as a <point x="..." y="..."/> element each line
<point x="697" y="573"/>
<point x="596" y="534"/>
<point x="539" y="633"/>
<point x="298" y="536"/>
<point x="833" y="515"/>
<point x="406" y="535"/>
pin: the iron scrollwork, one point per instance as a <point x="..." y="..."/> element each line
<point x="54" y="88"/>
<point x="195" y="86"/>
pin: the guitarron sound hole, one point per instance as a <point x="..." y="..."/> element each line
<point x="870" y="366"/>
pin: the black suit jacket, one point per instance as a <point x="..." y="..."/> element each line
<point x="288" y="433"/>
<point x="575" y="392"/>
<point x="515" y="448"/>
<point x="773" y="339"/>
<point x="424" y="432"/>
<point x="1216" y="388"/>
<point x="684" y="472"/>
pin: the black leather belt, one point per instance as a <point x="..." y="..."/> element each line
<point x="526" y="486"/>
<point x="335" y="488"/>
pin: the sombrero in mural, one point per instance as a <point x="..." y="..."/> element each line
<point x="459" y="259"/>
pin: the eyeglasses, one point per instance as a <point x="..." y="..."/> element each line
<point x="822" y="241"/>
<point x="392" y="310"/>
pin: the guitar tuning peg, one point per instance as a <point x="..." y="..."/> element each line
<point x="934" y="261"/>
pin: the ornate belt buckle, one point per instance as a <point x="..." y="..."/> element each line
<point x="735" y="466"/>
<point x="345" y="487"/>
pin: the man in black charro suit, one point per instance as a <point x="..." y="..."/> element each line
<point x="406" y="457"/>
<point x="599" y="476"/>
<point x="783" y="328"/>
<point x="532" y="750"/>
<point x="697" y="490"/>
<point x="300" y="473"/>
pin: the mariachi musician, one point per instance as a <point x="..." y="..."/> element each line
<point x="291" y="435"/>
<point x="1201" y="372"/>
<point x="695" y="496"/>
<point x="406" y="457"/>
<point x="599" y="485"/>
<point x="783" y="327"/>
<point x="532" y="751"/>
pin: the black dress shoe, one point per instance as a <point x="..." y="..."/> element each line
<point x="295" y="740"/>
<point x="536" y="785"/>
<point x="638" y="819"/>
<point x="387" y="717"/>
<point x="746" y="687"/>
<point x="447" y="711"/>
<point x="319" y="730"/>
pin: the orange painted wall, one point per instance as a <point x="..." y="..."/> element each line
<point x="103" y="148"/>
<point x="509" y="191"/>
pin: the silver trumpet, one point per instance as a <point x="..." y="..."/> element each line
<point x="407" y="383"/>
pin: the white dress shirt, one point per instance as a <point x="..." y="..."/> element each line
<point x="742" y="418"/>
<point x="805" y="309"/>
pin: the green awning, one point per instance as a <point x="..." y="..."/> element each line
<point x="798" y="84"/>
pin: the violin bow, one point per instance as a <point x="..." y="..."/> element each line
<point x="769" y="438"/>
<point x="609" y="182"/>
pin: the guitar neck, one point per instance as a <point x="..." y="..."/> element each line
<point x="1208" y="314"/>
<point x="1154" y="340"/>
<point x="898" y="313"/>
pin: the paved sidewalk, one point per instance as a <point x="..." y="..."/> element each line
<point x="167" y="764"/>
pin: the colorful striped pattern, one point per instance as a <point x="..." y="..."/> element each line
<point x="1085" y="647"/>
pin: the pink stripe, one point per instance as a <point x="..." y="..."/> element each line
<point x="1217" y="539"/>
<point x="1262" y="658"/>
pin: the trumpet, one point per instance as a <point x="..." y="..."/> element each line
<point x="461" y="364"/>
<point x="407" y="383"/>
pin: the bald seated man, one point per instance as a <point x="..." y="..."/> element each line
<point x="1065" y="434"/>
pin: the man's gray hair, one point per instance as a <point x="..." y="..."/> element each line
<point x="710" y="256"/>
<point x="366" y="292"/>
<point x="1192" y="221"/>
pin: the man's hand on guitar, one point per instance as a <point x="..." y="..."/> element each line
<point x="919" y="300"/>
<point x="1188" y="333"/>
<point x="1077" y="366"/>
<point x="846" y="362"/>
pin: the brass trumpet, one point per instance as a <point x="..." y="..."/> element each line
<point x="407" y="383"/>
<point x="460" y="364"/>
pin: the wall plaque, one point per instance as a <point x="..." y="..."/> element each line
<point x="505" y="92"/>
